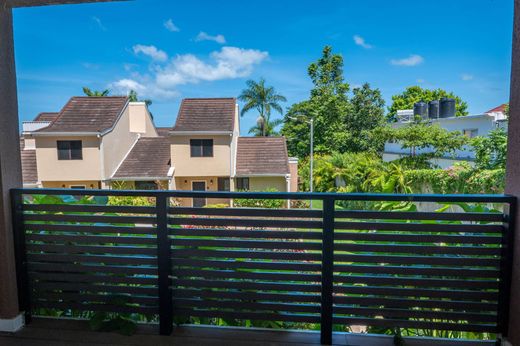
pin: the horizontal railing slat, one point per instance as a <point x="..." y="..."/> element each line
<point x="232" y="264"/>
<point x="247" y="212"/>
<point x="57" y="259"/>
<point x="289" y="256"/>
<point x="251" y="306"/>
<point x="91" y="239"/>
<point x="90" y="249"/>
<point x="383" y="302"/>
<point x="250" y="315"/>
<point x="419" y="249"/>
<point x="261" y="286"/>
<point x="415" y="215"/>
<point x="425" y="260"/>
<point x="418" y="227"/>
<point x="246" y="295"/>
<point x="261" y="234"/>
<point x="89" y="278"/>
<point x="84" y="268"/>
<point x="246" y="275"/>
<point x="417" y="282"/>
<point x="91" y="218"/>
<point x="40" y="286"/>
<point x="417" y="238"/>
<point x="88" y="208"/>
<point x="248" y="244"/>
<point x="94" y="229"/>
<point x="94" y="307"/>
<point x="418" y="270"/>
<point x="245" y="222"/>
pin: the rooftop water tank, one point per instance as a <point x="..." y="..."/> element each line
<point x="447" y="108"/>
<point x="433" y="109"/>
<point x="421" y="109"/>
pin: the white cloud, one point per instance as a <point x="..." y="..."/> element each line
<point x="466" y="76"/>
<point x="360" y="41"/>
<point x="228" y="63"/>
<point x="202" y="36"/>
<point x="123" y="86"/>
<point x="151" y="51"/>
<point x="99" y="23"/>
<point x="412" y="60"/>
<point x="170" y="26"/>
<point x="165" y="77"/>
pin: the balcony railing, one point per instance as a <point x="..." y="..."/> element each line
<point x="375" y="260"/>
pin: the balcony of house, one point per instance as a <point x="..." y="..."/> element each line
<point x="410" y="266"/>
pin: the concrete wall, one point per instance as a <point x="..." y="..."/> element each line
<point x="89" y="184"/>
<point x="483" y="123"/>
<point x="442" y="163"/>
<point x="133" y="123"/>
<point x="264" y="183"/>
<point x="185" y="183"/>
<point x="52" y="169"/>
<point x="293" y="171"/>
<point x="187" y="166"/>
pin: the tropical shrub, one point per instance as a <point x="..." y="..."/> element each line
<point x="259" y="203"/>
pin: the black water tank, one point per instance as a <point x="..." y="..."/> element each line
<point x="447" y="108"/>
<point x="421" y="109"/>
<point x="433" y="109"/>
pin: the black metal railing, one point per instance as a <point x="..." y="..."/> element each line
<point x="381" y="260"/>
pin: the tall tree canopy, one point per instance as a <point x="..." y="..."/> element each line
<point x="263" y="99"/>
<point x="341" y="123"/>
<point x="95" y="93"/>
<point x="413" y="94"/>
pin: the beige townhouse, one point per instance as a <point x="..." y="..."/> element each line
<point x="84" y="144"/>
<point x="108" y="142"/>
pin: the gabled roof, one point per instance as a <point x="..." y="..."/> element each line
<point x="501" y="108"/>
<point x="149" y="158"/>
<point x="206" y="114"/>
<point x="88" y="114"/>
<point x="163" y="131"/>
<point x="46" y="116"/>
<point x="29" y="168"/>
<point x="262" y="156"/>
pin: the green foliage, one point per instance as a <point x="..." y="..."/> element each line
<point x="366" y="172"/>
<point x="425" y="141"/>
<point x="133" y="97"/>
<point x="259" y="203"/>
<point x="109" y="321"/>
<point x="341" y="124"/>
<point x="95" y="93"/>
<point x="131" y="201"/>
<point x="491" y="151"/>
<point x="257" y="96"/>
<point x="413" y="94"/>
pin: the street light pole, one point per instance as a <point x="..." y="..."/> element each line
<point x="312" y="159"/>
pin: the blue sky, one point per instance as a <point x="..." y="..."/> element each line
<point x="168" y="50"/>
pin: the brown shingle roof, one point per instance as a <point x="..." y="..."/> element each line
<point x="206" y="114"/>
<point x="149" y="158"/>
<point x="163" y="131"/>
<point x="29" y="169"/>
<point x="46" y="116"/>
<point x="88" y="114"/>
<point x="262" y="155"/>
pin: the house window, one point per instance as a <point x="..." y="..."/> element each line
<point x="470" y="133"/>
<point x="145" y="185"/>
<point x="78" y="187"/>
<point x="201" y="147"/>
<point x="223" y="184"/>
<point x="70" y="150"/>
<point x="242" y="184"/>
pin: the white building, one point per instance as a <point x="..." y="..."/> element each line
<point x="471" y="126"/>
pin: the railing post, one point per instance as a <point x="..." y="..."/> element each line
<point x="22" y="279"/>
<point x="506" y="267"/>
<point x="327" y="264"/>
<point x="164" y="267"/>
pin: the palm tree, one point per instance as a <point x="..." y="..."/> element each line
<point x="263" y="99"/>
<point x="133" y="97"/>
<point x="265" y="127"/>
<point x="95" y="93"/>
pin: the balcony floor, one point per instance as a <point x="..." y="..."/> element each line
<point x="50" y="332"/>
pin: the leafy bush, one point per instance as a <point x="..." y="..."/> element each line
<point x="259" y="203"/>
<point x="131" y="201"/>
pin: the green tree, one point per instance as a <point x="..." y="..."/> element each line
<point x="342" y="124"/>
<point x="257" y="96"/>
<point x="265" y="127"/>
<point x="133" y="97"/>
<point x="95" y="93"/>
<point x="366" y="114"/>
<point x="491" y="151"/>
<point x="413" y="94"/>
<point x="328" y="104"/>
<point x="424" y="141"/>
